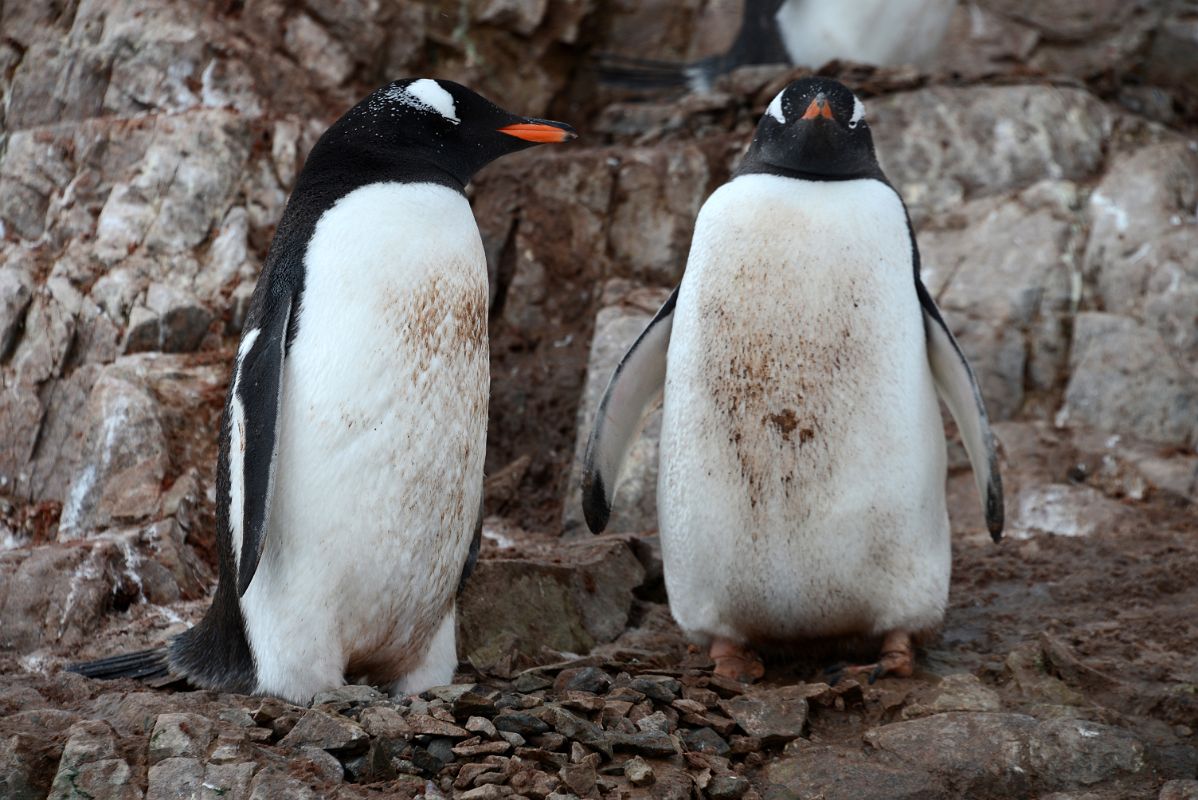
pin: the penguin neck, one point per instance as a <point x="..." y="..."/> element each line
<point x="755" y="165"/>
<point x="331" y="173"/>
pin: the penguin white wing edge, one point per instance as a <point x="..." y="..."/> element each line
<point x="633" y="390"/>
<point x="959" y="389"/>
<point x="253" y="437"/>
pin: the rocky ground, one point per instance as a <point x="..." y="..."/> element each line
<point x="1050" y="163"/>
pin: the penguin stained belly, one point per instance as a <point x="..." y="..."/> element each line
<point x="382" y="436"/>
<point x="801" y="491"/>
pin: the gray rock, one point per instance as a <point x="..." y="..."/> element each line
<point x="91" y="766"/>
<point x="228" y="781"/>
<point x="1003" y="270"/>
<point x="521" y="16"/>
<point x="658" y="193"/>
<point x="275" y="784"/>
<point x="15" y="293"/>
<point x="180" y="735"/>
<point x="124" y="459"/>
<point x="329" y="732"/>
<point x="348" y="695"/>
<point x="638" y="771"/>
<point x="54" y="595"/>
<point x="172" y="321"/>
<point x="957" y="692"/>
<point x="1124" y="379"/>
<point x="311" y="44"/>
<point x="824" y="773"/>
<point x="1063" y="510"/>
<point x="513" y="606"/>
<point x="1143" y="231"/>
<point x="1180" y="790"/>
<point x="771" y="714"/>
<point x="626" y="311"/>
<point x="1068" y="753"/>
<point x="1011" y="754"/>
<point x="176" y="779"/>
<point x="727" y="787"/>
<point x="1003" y="138"/>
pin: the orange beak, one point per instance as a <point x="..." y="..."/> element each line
<point x="819" y="108"/>
<point x="540" y="132"/>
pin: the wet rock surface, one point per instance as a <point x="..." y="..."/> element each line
<point x="1048" y="160"/>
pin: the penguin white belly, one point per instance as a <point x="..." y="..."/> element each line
<point x="801" y="490"/>
<point x="382" y="431"/>
<point x="883" y="32"/>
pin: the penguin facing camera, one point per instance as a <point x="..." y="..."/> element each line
<point x="351" y="447"/>
<point x="801" y="491"/>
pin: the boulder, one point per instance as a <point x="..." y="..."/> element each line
<point x="520" y="606"/>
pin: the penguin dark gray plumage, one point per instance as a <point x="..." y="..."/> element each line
<point x="801" y="491"/>
<point x="351" y="448"/>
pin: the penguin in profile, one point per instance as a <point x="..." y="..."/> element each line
<point x="808" y="32"/>
<point x="801" y="490"/>
<point x="351" y="447"/>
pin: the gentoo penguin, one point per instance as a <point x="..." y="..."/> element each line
<point x="351" y="450"/>
<point x="807" y="32"/>
<point x="801" y="489"/>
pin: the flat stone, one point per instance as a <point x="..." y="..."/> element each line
<point x="770" y="715"/>
<point x="521" y="723"/>
<point x="705" y="740"/>
<point x="727" y="787"/>
<point x="349" y="695"/>
<point x="956" y="692"/>
<point x="655" y="744"/>
<point x="328" y="732"/>
<point x="180" y="736"/>
<point x="385" y="722"/>
<point x="175" y="778"/>
<point x="482" y="726"/>
<point x="580" y="600"/>
<point x="1184" y="789"/>
<point x="1011" y="754"/>
<point x="425" y="725"/>
<point x="583" y="679"/>
<point x="826" y="773"/>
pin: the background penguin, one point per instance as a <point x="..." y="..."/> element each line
<point x="351" y="457"/>
<point x="801" y="489"/>
<point x="808" y="32"/>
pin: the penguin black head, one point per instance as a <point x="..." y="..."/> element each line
<point x="424" y="129"/>
<point x="815" y="128"/>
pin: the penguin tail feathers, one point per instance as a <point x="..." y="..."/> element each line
<point x="152" y="666"/>
<point x="629" y="72"/>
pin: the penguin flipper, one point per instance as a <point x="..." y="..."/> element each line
<point x="633" y="390"/>
<point x="257" y="394"/>
<point x="958" y="387"/>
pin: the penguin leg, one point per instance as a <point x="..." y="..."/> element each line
<point x="897" y="659"/>
<point x="735" y="660"/>
<point x="438" y="664"/>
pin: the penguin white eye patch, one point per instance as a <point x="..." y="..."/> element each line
<point x="428" y="95"/>
<point x="858" y="112"/>
<point x="775" y="108"/>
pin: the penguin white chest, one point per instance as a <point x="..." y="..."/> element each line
<point x="802" y="482"/>
<point x="381" y="441"/>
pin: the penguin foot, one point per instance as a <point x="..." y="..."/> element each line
<point x="736" y="661"/>
<point x="898" y="660"/>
